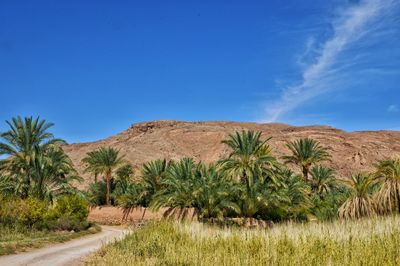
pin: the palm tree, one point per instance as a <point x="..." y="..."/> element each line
<point x="124" y="179"/>
<point x="388" y="175"/>
<point x="153" y="173"/>
<point x="133" y="197"/>
<point x="360" y="203"/>
<point x="91" y="166"/>
<point x="249" y="157"/>
<point x="259" y="198"/>
<point x="178" y="186"/>
<point x="214" y="193"/>
<point x="52" y="174"/>
<point x="104" y="161"/>
<point x="305" y="153"/>
<point x="322" y="180"/>
<point x="6" y="186"/>
<point x="130" y="195"/>
<point x="25" y="139"/>
<point x="296" y="200"/>
<point x="96" y="193"/>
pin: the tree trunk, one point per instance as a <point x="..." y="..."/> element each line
<point x="305" y="173"/>
<point x="27" y="181"/>
<point x="144" y="212"/>
<point x="108" y="181"/>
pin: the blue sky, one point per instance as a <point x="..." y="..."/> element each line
<point x="95" y="67"/>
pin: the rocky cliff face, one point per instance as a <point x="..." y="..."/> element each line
<point x="355" y="151"/>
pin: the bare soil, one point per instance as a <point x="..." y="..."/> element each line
<point x="109" y="215"/>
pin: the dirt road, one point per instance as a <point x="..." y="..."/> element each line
<point x="69" y="253"/>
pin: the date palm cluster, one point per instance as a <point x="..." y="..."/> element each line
<point x="248" y="181"/>
<point x="35" y="163"/>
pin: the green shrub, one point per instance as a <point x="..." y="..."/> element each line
<point x="22" y="212"/>
<point x="70" y="206"/>
<point x="68" y="213"/>
<point x="29" y="212"/>
<point x="326" y="208"/>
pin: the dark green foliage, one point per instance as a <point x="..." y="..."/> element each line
<point x="134" y="196"/>
<point x="104" y="161"/>
<point x="250" y="157"/>
<point x="35" y="179"/>
<point x="7" y="185"/>
<point x="153" y="174"/>
<point x="36" y="190"/>
<point x="298" y="192"/>
<point x="248" y="183"/>
<point x="214" y="193"/>
<point x="322" y="180"/>
<point x="36" y="165"/>
<point x="120" y="187"/>
<point x="305" y="153"/>
<point x="96" y="193"/>
<point x="179" y="184"/>
<point x="123" y="180"/>
<point x="326" y="208"/>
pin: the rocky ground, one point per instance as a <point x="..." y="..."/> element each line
<point x="142" y="142"/>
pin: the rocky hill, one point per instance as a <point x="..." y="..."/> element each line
<point x="202" y="140"/>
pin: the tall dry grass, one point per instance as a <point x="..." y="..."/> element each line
<point x="374" y="241"/>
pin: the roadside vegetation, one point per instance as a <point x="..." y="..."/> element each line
<point x="368" y="241"/>
<point x="38" y="202"/>
<point x="19" y="239"/>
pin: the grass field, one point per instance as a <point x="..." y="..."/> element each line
<point x="16" y="240"/>
<point x="364" y="242"/>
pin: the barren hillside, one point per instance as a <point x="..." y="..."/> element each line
<point x="202" y="140"/>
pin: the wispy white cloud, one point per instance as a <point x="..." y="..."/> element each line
<point x="353" y="22"/>
<point x="393" y="108"/>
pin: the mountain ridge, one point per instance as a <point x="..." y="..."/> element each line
<point x="171" y="139"/>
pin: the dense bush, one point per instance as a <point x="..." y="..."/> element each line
<point x="68" y="213"/>
<point x="71" y="206"/>
<point x="23" y="212"/>
<point x="326" y="208"/>
<point x="31" y="211"/>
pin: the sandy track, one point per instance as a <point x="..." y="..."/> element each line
<point x="69" y="253"/>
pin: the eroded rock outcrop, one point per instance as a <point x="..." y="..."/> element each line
<point x="142" y="142"/>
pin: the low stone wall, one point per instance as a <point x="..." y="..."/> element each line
<point x="116" y="216"/>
